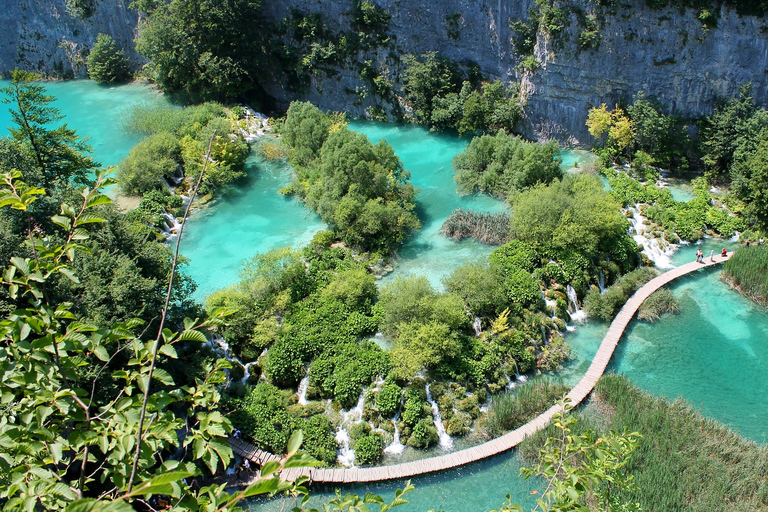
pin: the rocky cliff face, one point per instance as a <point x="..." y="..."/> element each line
<point x="667" y="53"/>
<point x="39" y="35"/>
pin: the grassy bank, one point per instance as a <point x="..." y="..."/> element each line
<point x="684" y="462"/>
<point x="747" y="272"/>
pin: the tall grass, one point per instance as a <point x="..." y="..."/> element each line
<point x="512" y="409"/>
<point x="488" y="228"/>
<point x="747" y="271"/>
<point x="685" y="462"/>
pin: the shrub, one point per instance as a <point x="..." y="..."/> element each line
<point x="369" y="449"/>
<point x="424" y="434"/>
<point x="262" y="416"/>
<point x="319" y="440"/>
<point x="107" y="64"/>
<point x="388" y="399"/>
<point x="149" y="162"/>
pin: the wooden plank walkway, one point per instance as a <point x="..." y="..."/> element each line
<point x="508" y="440"/>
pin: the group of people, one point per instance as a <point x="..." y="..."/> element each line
<point x="700" y="255"/>
<point x="759" y="242"/>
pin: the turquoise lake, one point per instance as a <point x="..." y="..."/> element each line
<point x="714" y="353"/>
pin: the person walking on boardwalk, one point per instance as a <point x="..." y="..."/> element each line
<point x="712" y="255"/>
<point x="725" y="252"/>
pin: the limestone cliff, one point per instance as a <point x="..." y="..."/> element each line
<point x="669" y="53"/>
<point x="39" y="35"/>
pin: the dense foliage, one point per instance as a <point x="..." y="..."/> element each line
<point x="442" y="96"/>
<point x="747" y="271"/>
<point x="203" y="49"/>
<point x="360" y="189"/>
<point x="572" y="214"/>
<point x="177" y="144"/>
<point x="500" y="164"/>
<point x="605" y="305"/>
<point x="107" y="64"/>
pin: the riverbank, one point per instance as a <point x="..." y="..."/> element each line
<point x="685" y="461"/>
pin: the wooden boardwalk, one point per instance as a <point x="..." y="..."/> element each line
<point x="508" y="440"/>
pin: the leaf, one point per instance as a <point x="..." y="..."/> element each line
<point x="101" y="353"/>
<point x="294" y="443"/>
<point x="163" y="376"/>
<point x="192" y="335"/>
<point x="161" y="484"/>
<point x="96" y="200"/>
<point x="91" y="505"/>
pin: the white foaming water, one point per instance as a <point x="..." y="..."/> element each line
<point x="601" y="281"/>
<point x="346" y="456"/>
<point x="171" y="226"/>
<point x="247" y="372"/>
<point x="655" y="249"/>
<point x="302" y="391"/>
<point x="477" y="324"/>
<point x="396" y="447"/>
<point x="446" y="442"/>
<point x="578" y="316"/>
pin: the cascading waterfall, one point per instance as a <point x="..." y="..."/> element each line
<point x="396" y="447"/>
<point x="446" y="442"/>
<point x="477" y="324"/>
<point x="578" y="316"/>
<point x="346" y="455"/>
<point x="171" y="226"/>
<point x="601" y="281"/>
<point x="655" y="249"/>
<point x="302" y="391"/>
<point x="247" y="372"/>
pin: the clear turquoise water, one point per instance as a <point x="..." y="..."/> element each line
<point x="476" y="487"/>
<point x="247" y="221"/>
<point x="97" y="112"/>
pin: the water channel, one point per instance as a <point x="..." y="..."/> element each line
<point x="714" y="353"/>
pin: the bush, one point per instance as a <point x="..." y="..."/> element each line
<point x="319" y="440"/>
<point x="369" y="449"/>
<point x="107" y="64"/>
<point x="424" y="434"/>
<point x="388" y="400"/>
<point x="500" y="164"/>
<point x="515" y="255"/>
<point x="262" y="416"/>
<point x="148" y="163"/>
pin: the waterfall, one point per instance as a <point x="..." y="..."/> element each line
<point x="655" y="249"/>
<point x="346" y="455"/>
<point x="578" y="316"/>
<point x="171" y="226"/>
<point x="247" y="373"/>
<point x="396" y="447"/>
<point x="478" y="326"/>
<point x="302" y="391"/>
<point x="601" y="281"/>
<point x="446" y="443"/>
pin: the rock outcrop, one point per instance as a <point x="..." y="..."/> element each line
<point x="670" y="54"/>
<point x="39" y="35"/>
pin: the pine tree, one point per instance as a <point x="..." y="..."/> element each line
<point x="107" y="64"/>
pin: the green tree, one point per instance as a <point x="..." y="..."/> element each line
<point x="59" y="154"/>
<point x="204" y="49"/>
<point x="426" y="78"/>
<point x="500" y="164"/>
<point x="107" y="64"/>
<point x="149" y="163"/>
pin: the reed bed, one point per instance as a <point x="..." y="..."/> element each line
<point x="747" y="271"/>
<point x="488" y="228"/>
<point x="514" y="408"/>
<point x="685" y="461"/>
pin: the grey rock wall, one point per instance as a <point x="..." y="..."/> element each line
<point x="39" y="35"/>
<point x="666" y="53"/>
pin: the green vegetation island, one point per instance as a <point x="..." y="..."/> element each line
<point x="122" y="386"/>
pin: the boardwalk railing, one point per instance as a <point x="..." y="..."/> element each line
<point x="508" y="440"/>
